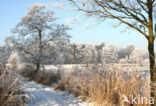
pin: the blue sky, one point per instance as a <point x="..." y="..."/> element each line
<point x="12" y="10"/>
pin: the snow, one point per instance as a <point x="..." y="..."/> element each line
<point x="67" y="68"/>
<point x="46" y="96"/>
<point x="48" y="67"/>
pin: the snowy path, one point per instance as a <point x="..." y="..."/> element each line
<point x="45" y="96"/>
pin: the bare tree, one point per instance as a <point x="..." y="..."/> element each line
<point x="35" y="30"/>
<point x="136" y="14"/>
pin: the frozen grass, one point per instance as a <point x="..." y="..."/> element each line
<point x="104" y="84"/>
<point x="47" y="78"/>
<point x="42" y="76"/>
<point x="10" y="90"/>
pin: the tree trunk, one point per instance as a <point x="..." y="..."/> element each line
<point x="151" y="38"/>
<point x="151" y="54"/>
<point x="37" y="67"/>
<point x="40" y="51"/>
<point x="152" y="70"/>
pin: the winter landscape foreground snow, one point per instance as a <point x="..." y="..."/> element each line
<point x="40" y="95"/>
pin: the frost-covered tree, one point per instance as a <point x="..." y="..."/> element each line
<point x="77" y="52"/>
<point x="65" y="49"/>
<point x="90" y="54"/>
<point x="125" y="52"/>
<point x="99" y="51"/>
<point x="35" y="30"/>
<point x="83" y="53"/>
<point x="61" y="54"/>
<point x="4" y="54"/>
<point x="138" y="56"/>
<point x="129" y="50"/>
<point x="109" y="54"/>
<point x="14" y="59"/>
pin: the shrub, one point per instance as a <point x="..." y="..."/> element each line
<point x="27" y="71"/>
<point x="42" y="76"/>
<point x="10" y="90"/>
<point x="14" y="59"/>
<point x="47" y="77"/>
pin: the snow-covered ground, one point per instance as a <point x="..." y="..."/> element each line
<point x="118" y="65"/>
<point x="40" y="95"/>
<point x="142" y="70"/>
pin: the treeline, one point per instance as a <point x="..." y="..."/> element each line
<point x="76" y="53"/>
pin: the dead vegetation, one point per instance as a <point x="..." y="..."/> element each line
<point x="42" y="76"/>
<point x="10" y="90"/>
<point x="47" y="78"/>
<point x="104" y="85"/>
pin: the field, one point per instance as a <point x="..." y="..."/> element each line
<point x="129" y="68"/>
<point x="96" y="84"/>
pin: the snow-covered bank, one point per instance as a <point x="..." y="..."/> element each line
<point x="40" y="95"/>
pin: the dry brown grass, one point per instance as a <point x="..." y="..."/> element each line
<point x="104" y="85"/>
<point x="46" y="78"/>
<point x="27" y="70"/>
<point x="10" y="91"/>
<point x="43" y="76"/>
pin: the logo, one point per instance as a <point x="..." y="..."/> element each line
<point x="125" y="99"/>
<point x="137" y="100"/>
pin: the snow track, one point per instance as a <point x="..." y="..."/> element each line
<point x="40" y="95"/>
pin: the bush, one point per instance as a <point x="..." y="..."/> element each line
<point x="27" y="71"/>
<point x="46" y="78"/>
<point x="10" y="90"/>
<point x="42" y="76"/>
